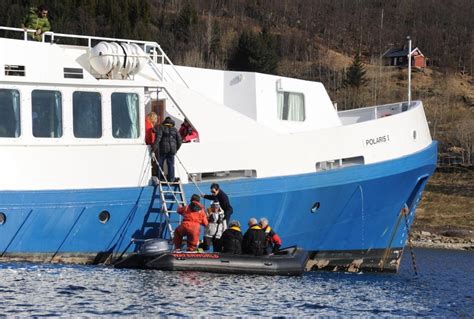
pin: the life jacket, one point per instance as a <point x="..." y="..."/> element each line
<point x="271" y="236"/>
<point x="254" y="242"/>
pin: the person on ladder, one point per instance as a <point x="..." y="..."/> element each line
<point x="193" y="217"/>
<point x="166" y="145"/>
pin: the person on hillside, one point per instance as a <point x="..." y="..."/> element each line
<point x="231" y="240"/>
<point x="187" y="132"/>
<point x="37" y="19"/>
<point x="254" y="239"/>
<point x="193" y="217"/>
<point x="219" y="195"/>
<point x="273" y="241"/>
<point x="166" y="145"/>
<point x="215" y="228"/>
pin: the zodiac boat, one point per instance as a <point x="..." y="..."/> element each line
<point x="76" y="181"/>
<point x="290" y="261"/>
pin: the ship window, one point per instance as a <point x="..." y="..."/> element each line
<point x="9" y="113"/>
<point x="87" y="114"/>
<point x="46" y="107"/>
<point x="125" y="119"/>
<point x="291" y="106"/>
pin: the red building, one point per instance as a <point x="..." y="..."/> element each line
<point x="399" y="57"/>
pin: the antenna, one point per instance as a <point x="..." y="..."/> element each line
<point x="409" y="70"/>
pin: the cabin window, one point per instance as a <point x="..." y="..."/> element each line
<point x="46" y="108"/>
<point x="291" y="106"/>
<point x="87" y="114"/>
<point x="9" y="113"/>
<point x="125" y="116"/>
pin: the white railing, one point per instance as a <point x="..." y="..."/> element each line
<point x="153" y="49"/>
<point x="374" y="112"/>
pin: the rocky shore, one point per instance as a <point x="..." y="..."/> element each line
<point x="450" y="239"/>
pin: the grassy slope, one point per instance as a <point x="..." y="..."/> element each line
<point x="448" y="202"/>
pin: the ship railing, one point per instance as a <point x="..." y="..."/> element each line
<point x="374" y="112"/>
<point x="154" y="51"/>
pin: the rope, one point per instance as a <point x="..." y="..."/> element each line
<point x="190" y="176"/>
<point x="410" y="243"/>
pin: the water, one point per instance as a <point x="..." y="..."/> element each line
<point x="444" y="287"/>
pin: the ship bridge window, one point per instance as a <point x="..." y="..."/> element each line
<point x="125" y="116"/>
<point x="291" y="106"/>
<point x="46" y="108"/>
<point x="87" y="114"/>
<point x="9" y="113"/>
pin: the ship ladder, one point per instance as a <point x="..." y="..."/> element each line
<point x="171" y="194"/>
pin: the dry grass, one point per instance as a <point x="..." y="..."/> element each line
<point x="448" y="202"/>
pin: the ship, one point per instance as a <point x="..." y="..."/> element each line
<point x="76" y="182"/>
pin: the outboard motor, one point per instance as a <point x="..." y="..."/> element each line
<point x="154" y="246"/>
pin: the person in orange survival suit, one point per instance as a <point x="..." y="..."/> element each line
<point x="193" y="217"/>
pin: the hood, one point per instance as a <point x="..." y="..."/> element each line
<point x="168" y="121"/>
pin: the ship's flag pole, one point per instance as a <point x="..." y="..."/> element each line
<point x="409" y="70"/>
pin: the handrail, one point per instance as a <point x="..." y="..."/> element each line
<point x="146" y="45"/>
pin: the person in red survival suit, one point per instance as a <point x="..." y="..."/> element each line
<point x="150" y="122"/>
<point x="187" y="132"/>
<point x="272" y="239"/>
<point x="193" y="217"/>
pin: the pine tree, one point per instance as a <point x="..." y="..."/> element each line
<point x="255" y="52"/>
<point x="355" y="74"/>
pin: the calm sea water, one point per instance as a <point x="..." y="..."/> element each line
<point x="444" y="287"/>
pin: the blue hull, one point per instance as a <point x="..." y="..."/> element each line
<point x="359" y="213"/>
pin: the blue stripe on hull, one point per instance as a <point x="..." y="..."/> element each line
<point x="359" y="210"/>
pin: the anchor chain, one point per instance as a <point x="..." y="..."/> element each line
<point x="410" y="242"/>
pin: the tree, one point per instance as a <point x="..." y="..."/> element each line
<point x="255" y="52"/>
<point x="355" y="74"/>
<point x="354" y="80"/>
<point x="186" y="22"/>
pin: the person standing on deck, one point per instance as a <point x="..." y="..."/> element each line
<point x="166" y="145"/>
<point x="188" y="133"/>
<point x="37" y="19"/>
<point x="193" y="217"/>
<point x="273" y="241"/>
<point x="218" y="194"/>
<point x="150" y="123"/>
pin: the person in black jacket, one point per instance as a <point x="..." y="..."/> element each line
<point x="167" y="143"/>
<point x="254" y="241"/>
<point x="231" y="239"/>
<point x="218" y="195"/>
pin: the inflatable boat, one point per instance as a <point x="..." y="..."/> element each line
<point x="289" y="261"/>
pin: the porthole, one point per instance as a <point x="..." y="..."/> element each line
<point x="104" y="216"/>
<point x="315" y="207"/>
<point x="3" y="218"/>
<point x="414" y="134"/>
